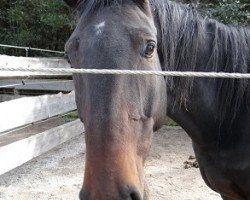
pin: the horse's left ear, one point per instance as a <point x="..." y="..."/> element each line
<point x="143" y="5"/>
<point x="72" y="3"/>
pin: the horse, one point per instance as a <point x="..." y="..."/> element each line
<point x="121" y="112"/>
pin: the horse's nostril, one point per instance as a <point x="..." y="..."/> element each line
<point x="82" y="195"/>
<point x="135" y="196"/>
<point x="130" y="193"/>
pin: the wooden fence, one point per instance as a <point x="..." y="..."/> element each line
<point x="32" y="125"/>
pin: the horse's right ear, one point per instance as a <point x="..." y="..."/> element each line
<point x="72" y="3"/>
<point x="143" y="5"/>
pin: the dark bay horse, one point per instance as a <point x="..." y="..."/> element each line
<point x="120" y="112"/>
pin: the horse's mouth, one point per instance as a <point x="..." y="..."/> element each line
<point x="84" y="196"/>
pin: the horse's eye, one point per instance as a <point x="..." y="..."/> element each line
<point x="149" y="50"/>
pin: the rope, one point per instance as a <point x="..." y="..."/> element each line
<point x="30" y="48"/>
<point x="126" y="72"/>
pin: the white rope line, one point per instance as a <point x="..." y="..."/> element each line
<point x="30" y="48"/>
<point x="125" y="72"/>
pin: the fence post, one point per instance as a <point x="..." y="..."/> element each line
<point x="27" y="51"/>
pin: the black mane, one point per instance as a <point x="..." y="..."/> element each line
<point x="183" y="32"/>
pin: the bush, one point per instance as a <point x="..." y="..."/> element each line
<point x="229" y="11"/>
<point x="235" y="12"/>
<point x="34" y="23"/>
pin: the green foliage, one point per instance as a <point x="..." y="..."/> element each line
<point x="235" y="12"/>
<point x="34" y="23"/>
<point x="170" y="122"/>
<point x="229" y="11"/>
<point x="73" y="115"/>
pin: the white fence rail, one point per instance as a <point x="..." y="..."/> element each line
<point x="26" y="110"/>
<point x="30" y="126"/>
<point x="38" y="63"/>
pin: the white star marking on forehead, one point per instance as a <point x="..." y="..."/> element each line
<point x="99" y="28"/>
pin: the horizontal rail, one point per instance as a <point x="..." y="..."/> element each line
<point x="22" y="111"/>
<point x="43" y="85"/>
<point x="24" y="62"/>
<point x="29" y="143"/>
<point x="30" y="48"/>
<point x="11" y="76"/>
<point x="125" y="72"/>
<point x="24" y="83"/>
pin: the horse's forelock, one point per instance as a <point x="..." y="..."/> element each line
<point x="87" y="7"/>
<point x="143" y="5"/>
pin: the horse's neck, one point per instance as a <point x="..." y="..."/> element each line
<point x="189" y="42"/>
<point x="198" y="115"/>
<point x="205" y="46"/>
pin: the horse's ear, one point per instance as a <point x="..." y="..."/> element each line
<point x="143" y="5"/>
<point x="72" y="3"/>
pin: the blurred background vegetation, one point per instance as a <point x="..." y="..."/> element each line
<point x="34" y="23"/>
<point x="235" y="12"/>
<point x="47" y="24"/>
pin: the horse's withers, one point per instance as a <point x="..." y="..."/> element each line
<point x="119" y="112"/>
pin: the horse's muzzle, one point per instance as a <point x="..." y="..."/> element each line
<point x="128" y="194"/>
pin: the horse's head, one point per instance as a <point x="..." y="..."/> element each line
<point x="119" y="112"/>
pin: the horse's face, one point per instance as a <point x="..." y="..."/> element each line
<point x="119" y="112"/>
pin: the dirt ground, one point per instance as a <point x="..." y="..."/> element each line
<point x="58" y="174"/>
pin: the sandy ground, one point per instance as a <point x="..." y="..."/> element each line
<point x="58" y="173"/>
